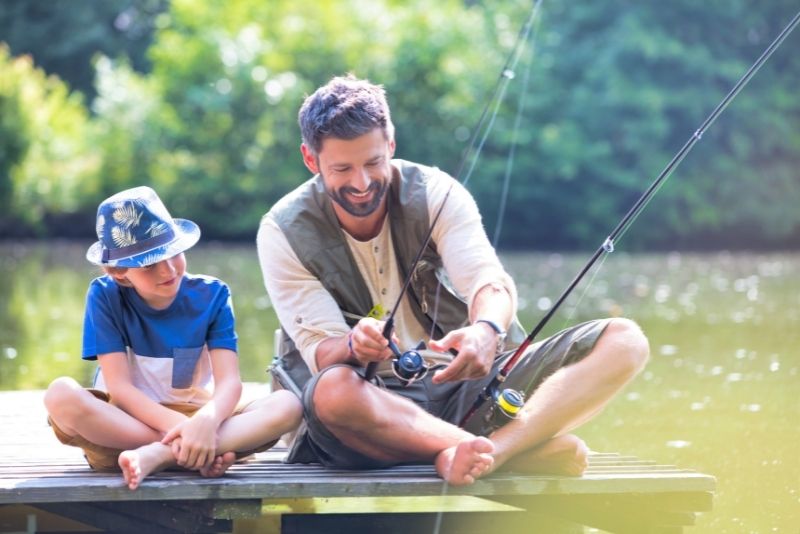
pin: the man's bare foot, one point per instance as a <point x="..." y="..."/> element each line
<point x="220" y="464"/>
<point x="137" y="464"/>
<point x="562" y="455"/>
<point x="463" y="463"/>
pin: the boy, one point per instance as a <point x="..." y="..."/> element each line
<point x="168" y="385"/>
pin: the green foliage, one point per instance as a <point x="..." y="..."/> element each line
<point x="45" y="157"/>
<point x="64" y="36"/>
<point x="616" y="88"/>
<point x="213" y="128"/>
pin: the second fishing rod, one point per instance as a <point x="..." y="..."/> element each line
<point x="506" y="403"/>
<point x="492" y="390"/>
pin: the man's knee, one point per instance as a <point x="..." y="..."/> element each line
<point x="632" y="349"/>
<point x="337" y="391"/>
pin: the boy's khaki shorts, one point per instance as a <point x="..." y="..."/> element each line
<point x="103" y="458"/>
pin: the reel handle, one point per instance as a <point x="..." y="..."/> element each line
<point x="407" y="365"/>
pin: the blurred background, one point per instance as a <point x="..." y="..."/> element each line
<point x="199" y="100"/>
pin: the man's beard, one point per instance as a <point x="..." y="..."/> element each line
<point x="361" y="209"/>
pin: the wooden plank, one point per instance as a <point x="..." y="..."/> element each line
<point x="164" y="517"/>
<point x="24" y="518"/>
<point x="227" y="509"/>
<point x="301" y="481"/>
<point x="266" y="476"/>
<point x="95" y="516"/>
<point x="183" y="517"/>
<point x="448" y="523"/>
<point x="36" y="469"/>
<point x="394" y="505"/>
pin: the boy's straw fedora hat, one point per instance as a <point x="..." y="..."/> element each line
<point x="136" y="230"/>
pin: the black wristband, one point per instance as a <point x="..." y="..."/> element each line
<point x="493" y="325"/>
<point x="501" y="334"/>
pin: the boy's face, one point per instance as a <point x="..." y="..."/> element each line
<point x="158" y="283"/>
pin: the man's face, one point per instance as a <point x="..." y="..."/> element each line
<point x="355" y="172"/>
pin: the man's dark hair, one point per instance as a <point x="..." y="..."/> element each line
<point x="344" y="108"/>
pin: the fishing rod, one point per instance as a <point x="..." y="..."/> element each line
<point x="409" y="365"/>
<point x="514" y="399"/>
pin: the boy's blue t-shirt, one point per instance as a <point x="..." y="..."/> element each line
<point x="167" y="350"/>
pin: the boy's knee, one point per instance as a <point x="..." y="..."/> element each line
<point x="291" y="405"/>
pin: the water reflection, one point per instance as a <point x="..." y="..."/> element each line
<point x="43" y="286"/>
<point x="719" y="394"/>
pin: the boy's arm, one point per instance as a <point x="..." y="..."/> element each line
<point x="227" y="387"/>
<point x="199" y="434"/>
<point x="116" y="375"/>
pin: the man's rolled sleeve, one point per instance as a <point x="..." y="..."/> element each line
<point x="304" y="307"/>
<point x="469" y="258"/>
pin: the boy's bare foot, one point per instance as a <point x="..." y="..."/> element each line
<point x="463" y="463"/>
<point x="562" y="455"/>
<point x="220" y="464"/>
<point x="137" y="464"/>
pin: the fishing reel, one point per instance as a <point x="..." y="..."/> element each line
<point x="409" y="366"/>
<point x="506" y="405"/>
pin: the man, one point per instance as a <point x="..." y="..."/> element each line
<point x="335" y="253"/>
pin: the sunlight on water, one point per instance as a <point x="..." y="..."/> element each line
<point x="678" y="444"/>
<point x="719" y="395"/>
<point x="720" y="392"/>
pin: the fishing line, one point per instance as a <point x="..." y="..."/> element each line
<point x="506" y="75"/>
<point x="608" y="245"/>
<point x="472" y="152"/>
<point x="568" y="318"/>
<point x="573" y="309"/>
<point x="514" y="134"/>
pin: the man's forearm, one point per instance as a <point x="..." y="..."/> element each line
<point x="334" y="350"/>
<point x="493" y="303"/>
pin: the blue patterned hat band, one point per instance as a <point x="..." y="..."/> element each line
<point x="135" y="229"/>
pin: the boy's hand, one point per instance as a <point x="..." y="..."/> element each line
<point x="197" y="441"/>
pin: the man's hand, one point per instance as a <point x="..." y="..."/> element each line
<point x="193" y="442"/>
<point x="476" y="346"/>
<point x="366" y="342"/>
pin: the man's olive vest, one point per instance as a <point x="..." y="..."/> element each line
<point x="307" y="219"/>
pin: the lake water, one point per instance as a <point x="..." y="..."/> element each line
<point x="721" y="393"/>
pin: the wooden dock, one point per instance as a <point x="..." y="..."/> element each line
<point x="43" y="482"/>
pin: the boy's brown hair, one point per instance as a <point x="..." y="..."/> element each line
<point x="118" y="274"/>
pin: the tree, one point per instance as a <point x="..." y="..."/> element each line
<point x="227" y="82"/>
<point x="46" y="162"/>
<point x="617" y="88"/>
<point x="65" y="36"/>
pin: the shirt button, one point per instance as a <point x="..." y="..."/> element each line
<point x="376" y="249"/>
<point x="380" y="271"/>
<point x="383" y="291"/>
